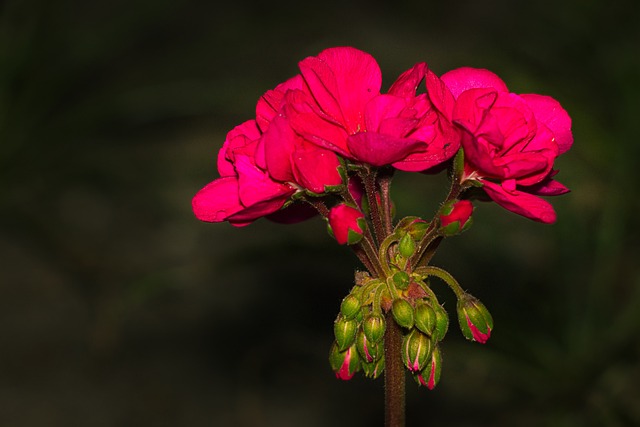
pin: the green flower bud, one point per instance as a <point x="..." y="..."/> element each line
<point x="425" y="318"/>
<point x="416" y="350"/>
<point x="430" y="375"/>
<point x="374" y="327"/>
<point x="475" y="320"/>
<point x="344" y="363"/>
<point x="442" y="322"/>
<point x="345" y="332"/>
<point x="369" y="351"/>
<point x="373" y="369"/>
<point x="402" y="313"/>
<point x="407" y="246"/>
<point x="401" y="280"/>
<point x="455" y="217"/>
<point x="350" y="306"/>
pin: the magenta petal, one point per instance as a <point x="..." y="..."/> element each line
<point x="217" y="200"/>
<point x="343" y="80"/>
<point x="522" y="203"/>
<point x="294" y="213"/>
<point x="380" y="150"/>
<point x="255" y="186"/>
<point x="251" y="213"/>
<point x="239" y="137"/>
<point x="342" y="219"/>
<point x="316" y="168"/>
<point x="407" y="84"/>
<point x="548" y="111"/>
<point x="440" y="95"/>
<point x="279" y="142"/>
<point x="465" y="78"/>
<point x="270" y="103"/>
<point x="548" y="187"/>
<point x="386" y="108"/>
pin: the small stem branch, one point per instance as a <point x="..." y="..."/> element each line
<point x="394" y="376"/>
<point x="443" y="275"/>
<point x="369" y="180"/>
<point x="385" y="193"/>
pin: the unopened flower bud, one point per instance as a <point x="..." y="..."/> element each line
<point x="344" y="363"/>
<point x="402" y="313"/>
<point x="350" y="306"/>
<point x="425" y="318"/>
<point x="346" y="224"/>
<point x="416" y="349"/>
<point x="373" y="369"/>
<point x="407" y="246"/>
<point x="369" y="351"/>
<point x="430" y="375"/>
<point x="475" y="320"/>
<point x="455" y="217"/>
<point x="442" y="322"/>
<point x="345" y="332"/>
<point x="374" y="327"/>
<point x="414" y="226"/>
<point x="401" y="280"/>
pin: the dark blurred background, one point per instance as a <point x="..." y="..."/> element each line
<point x="119" y="308"/>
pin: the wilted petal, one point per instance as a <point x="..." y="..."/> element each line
<point x="465" y="78"/>
<point x="519" y="202"/>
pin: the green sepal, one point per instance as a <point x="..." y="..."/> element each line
<point x="416" y="350"/>
<point x="401" y="280"/>
<point x="458" y="165"/>
<point x="407" y="246"/>
<point x="374" y="327"/>
<point x="373" y="369"/>
<point x="402" y="313"/>
<point x="442" y="322"/>
<point x="345" y="332"/>
<point x="350" y="306"/>
<point x="425" y="317"/>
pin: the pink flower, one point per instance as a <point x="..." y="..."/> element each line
<point x="347" y="224"/>
<point x="244" y="192"/>
<point x="342" y="110"/>
<point x="510" y="141"/>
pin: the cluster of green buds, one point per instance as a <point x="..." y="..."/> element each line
<point x="404" y="292"/>
<point x="359" y="332"/>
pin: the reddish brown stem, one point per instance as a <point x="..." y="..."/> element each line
<point x="394" y="376"/>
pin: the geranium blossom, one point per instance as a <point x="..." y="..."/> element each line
<point x="510" y="141"/>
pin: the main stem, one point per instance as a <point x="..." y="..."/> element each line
<point x="394" y="376"/>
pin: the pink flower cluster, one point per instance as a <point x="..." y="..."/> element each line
<point x="333" y="114"/>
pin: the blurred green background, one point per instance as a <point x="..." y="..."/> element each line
<point x="119" y="308"/>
